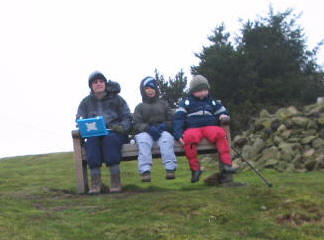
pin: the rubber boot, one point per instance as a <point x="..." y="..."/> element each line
<point x="115" y="183"/>
<point x="96" y="184"/>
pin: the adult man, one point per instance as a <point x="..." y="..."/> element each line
<point x="105" y="101"/>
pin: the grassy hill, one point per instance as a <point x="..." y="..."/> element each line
<point x="38" y="200"/>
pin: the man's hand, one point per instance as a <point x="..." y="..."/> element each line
<point x="118" y="128"/>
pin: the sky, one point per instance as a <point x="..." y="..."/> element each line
<point x="49" y="48"/>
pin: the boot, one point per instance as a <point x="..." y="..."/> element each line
<point x="146" y="176"/>
<point x="115" y="183"/>
<point x="170" y="174"/>
<point x="195" y="175"/>
<point x="115" y="179"/>
<point x="96" y="184"/>
<point x="226" y="180"/>
<point x="227" y="168"/>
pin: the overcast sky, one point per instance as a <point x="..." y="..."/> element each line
<point x="49" y="48"/>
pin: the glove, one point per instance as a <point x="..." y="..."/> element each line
<point x="162" y="127"/>
<point x="118" y="129"/>
<point x="154" y="132"/>
<point x="224" y="119"/>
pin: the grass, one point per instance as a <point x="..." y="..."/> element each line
<point x="38" y="200"/>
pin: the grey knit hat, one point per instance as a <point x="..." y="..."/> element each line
<point x="198" y="83"/>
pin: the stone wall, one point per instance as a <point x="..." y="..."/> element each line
<point x="288" y="140"/>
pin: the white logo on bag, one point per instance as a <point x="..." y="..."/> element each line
<point x="91" y="126"/>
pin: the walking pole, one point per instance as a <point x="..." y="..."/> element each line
<point x="254" y="169"/>
<point x="228" y="135"/>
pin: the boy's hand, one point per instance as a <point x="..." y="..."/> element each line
<point x="181" y="141"/>
<point x="154" y="132"/>
<point x="224" y="119"/>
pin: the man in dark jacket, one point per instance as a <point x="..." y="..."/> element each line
<point x="152" y="123"/>
<point x="198" y="117"/>
<point x="105" y="101"/>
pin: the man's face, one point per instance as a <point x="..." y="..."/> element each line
<point x="98" y="86"/>
<point x="150" y="92"/>
<point x="201" y="94"/>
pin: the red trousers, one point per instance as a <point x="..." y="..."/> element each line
<point x="214" y="134"/>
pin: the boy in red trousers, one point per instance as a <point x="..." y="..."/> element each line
<point x="198" y="117"/>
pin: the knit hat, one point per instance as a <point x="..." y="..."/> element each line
<point x="150" y="82"/>
<point x="198" y="83"/>
<point x="94" y="76"/>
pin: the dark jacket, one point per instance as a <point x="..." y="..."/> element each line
<point x="112" y="107"/>
<point x="195" y="113"/>
<point x="150" y="112"/>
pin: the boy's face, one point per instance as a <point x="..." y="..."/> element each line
<point x="150" y="92"/>
<point x="98" y="86"/>
<point x="201" y="94"/>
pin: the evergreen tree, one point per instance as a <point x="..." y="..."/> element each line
<point x="172" y="90"/>
<point x="268" y="65"/>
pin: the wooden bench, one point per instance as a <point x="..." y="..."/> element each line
<point x="129" y="152"/>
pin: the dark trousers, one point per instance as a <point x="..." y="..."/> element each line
<point x="104" y="149"/>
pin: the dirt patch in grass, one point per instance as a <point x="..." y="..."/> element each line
<point x="300" y="212"/>
<point x="298" y="219"/>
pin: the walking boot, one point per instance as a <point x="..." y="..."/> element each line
<point x="170" y="174"/>
<point x="96" y="185"/>
<point x="146" y="176"/>
<point x="227" y="169"/>
<point x="115" y="184"/>
<point x="226" y="180"/>
<point x="195" y="175"/>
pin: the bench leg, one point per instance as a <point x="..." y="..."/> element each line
<point x="80" y="167"/>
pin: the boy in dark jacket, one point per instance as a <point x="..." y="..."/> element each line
<point x="198" y="117"/>
<point x="152" y="123"/>
<point x="105" y="101"/>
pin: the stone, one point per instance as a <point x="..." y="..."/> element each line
<point x="264" y="114"/>
<point x="257" y="146"/>
<point x="310" y="164"/>
<point x="314" y="108"/>
<point x="318" y="143"/>
<point x="320" y="120"/>
<point x="309" y="132"/>
<point x="277" y="140"/>
<point x="312" y="125"/>
<point x="282" y="128"/>
<point x="321" y="133"/>
<point x="271" y="163"/>
<point x="286" y="134"/>
<point x="287" y="152"/>
<point x="274" y="125"/>
<point x="293" y="140"/>
<point x="307" y="140"/>
<point x="309" y="153"/>
<point x="270" y="153"/>
<point x="300" y="121"/>
<point x="240" y="141"/>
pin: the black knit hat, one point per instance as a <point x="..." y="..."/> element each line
<point x="198" y="83"/>
<point x="94" y="76"/>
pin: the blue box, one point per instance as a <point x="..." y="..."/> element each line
<point x="92" y="127"/>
